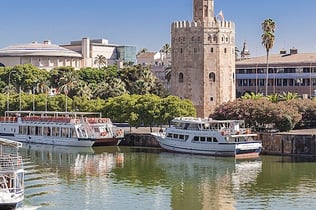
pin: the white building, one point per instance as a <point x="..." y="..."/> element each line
<point x="43" y="55"/>
<point x="77" y="54"/>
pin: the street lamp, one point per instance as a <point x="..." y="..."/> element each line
<point x="8" y="98"/>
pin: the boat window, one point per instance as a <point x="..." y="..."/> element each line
<point x="55" y="131"/>
<point x="32" y="130"/>
<point x="175" y="136"/>
<point x="169" y="135"/>
<point x="181" y="136"/>
<point x="196" y="138"/>
<point x="64" y="132"/>
<point x="209" y="139"/>
<point x="202" y="138"/>
<point x="186" y="126"/>
<point x="38" y="131"/>
<point x="46" y="131"/>
<point x="215" y="140"/>
<point x="73" y="132"/>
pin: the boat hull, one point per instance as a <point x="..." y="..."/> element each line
<point x="51" y="140"/>
<point x="107" y="142"/>
<point x="238" y="150"/>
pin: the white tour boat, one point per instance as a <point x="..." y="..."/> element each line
<point x="209" y="137"/>
<point x="60" y="128"/>
<point x="11" y="175"/>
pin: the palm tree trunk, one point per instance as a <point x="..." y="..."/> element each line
<point x="267" y="73"/>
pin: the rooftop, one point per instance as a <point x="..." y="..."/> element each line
<point x="38" y="49"/>
<point x="282" y="59"/>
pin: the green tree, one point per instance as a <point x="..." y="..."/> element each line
<point x="173" y="106"/>
<point x="148" y="109"/>
<point x="101" y="61"/>
<point x="268" y="38"/>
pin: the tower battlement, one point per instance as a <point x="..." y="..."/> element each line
<point x="194" y="24"/>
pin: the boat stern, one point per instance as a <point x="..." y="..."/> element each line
<point x="248" y="149"/>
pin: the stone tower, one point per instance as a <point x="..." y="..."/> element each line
<point x="203" y="58"/>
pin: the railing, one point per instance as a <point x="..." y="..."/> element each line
<point x="46" y="119"/>
<point x="8" y="119"/>
<point x="9" y="162"/>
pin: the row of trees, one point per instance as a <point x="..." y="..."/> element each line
<point x="262" y="113"/>
<point x="101" y="83"/>
<point x="137" y="110"/>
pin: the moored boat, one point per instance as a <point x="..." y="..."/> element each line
<point x="11" y="175"/>
<point x="60" y="128"/>
<point x="209" y="137"/>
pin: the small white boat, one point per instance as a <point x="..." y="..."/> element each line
<point x="82" y="129"/>
<point x="209" y="137"/>
<point x="11" y="175"/>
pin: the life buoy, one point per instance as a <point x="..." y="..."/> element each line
<point x="104" y="133"/>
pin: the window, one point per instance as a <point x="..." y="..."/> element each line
<point x="225" y="50"/>
<point x="181" y="78"/>
<point x="212" y="50"/>
<point x="211" y="77"/>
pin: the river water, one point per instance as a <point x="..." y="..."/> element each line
<point x="119" y="178"/>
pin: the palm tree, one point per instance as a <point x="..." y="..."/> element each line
<point x="68" y="82"/>
<point x="143" y="50"/>
<point x="168" y="73"/>
<point x="165" y="50"/>
<point x="287" y="96"/>
<point x="100" y="60"/>
<point x="268" y="27"/>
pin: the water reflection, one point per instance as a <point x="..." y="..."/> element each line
<point x="199" y="182"/>
<point x="134" y="178"/>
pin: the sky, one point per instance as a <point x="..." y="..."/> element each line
<point x="147" y="23"/>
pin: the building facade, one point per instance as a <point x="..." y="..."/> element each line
<point x="77" y="54"/>
<point x="288" y="72"/>
<point x="91" y="48"/>
<point x="43" y="55"/>
<point x="203" y="58"/>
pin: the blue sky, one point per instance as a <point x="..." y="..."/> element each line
<point x="146" y="23"/>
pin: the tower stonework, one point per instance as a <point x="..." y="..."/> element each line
<point x="203" y="59"/>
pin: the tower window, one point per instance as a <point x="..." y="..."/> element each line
<point x="181" y="78"/>
<point x="225" y="50"/>
<point x="212" y="50"/>
<point x="181" y="51"/>
<point x="211" y="77"/>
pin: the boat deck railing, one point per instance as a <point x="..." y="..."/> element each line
<point x="223" y="131"/>
<point x="56" y="119"/>
<point x="9" y="163"/>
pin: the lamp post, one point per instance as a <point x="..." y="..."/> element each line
<point x="8" y="98"/>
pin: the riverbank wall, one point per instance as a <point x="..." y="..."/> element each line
<point x="293" y="143"/>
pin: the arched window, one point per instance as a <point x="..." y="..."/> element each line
<point x="181" y="78"/>
<point x="211" y="77"/>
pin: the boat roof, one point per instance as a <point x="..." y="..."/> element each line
<point x="203" y="120"/>
<point x="52" y="113"/>
<point x="10" y="143"/>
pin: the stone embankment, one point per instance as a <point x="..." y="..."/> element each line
<point x="140" y="137"/>
<point x="293" y="143"/>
